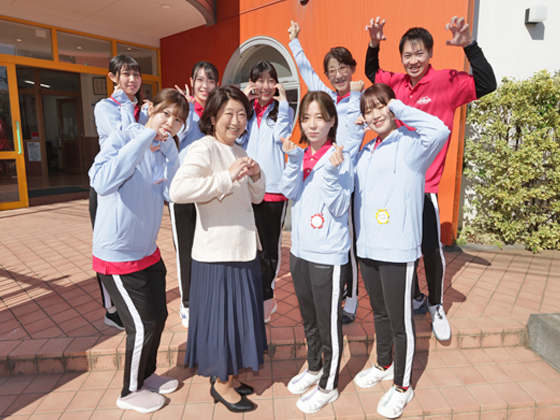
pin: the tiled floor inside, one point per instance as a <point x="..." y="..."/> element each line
<point x="50" y="316"/>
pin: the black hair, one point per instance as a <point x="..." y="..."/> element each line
<point x="417" y="34"/>
<point x="256" y="72"/>
<point x="376" y="94"/>
<point x="209" y="68"/>
<point x="125" y="62"/>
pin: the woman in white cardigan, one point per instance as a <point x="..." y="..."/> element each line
<point x="226" y="330"/>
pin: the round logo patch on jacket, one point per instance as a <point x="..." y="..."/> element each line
<point x="382" y="217"/>
<point x="317" y="221"/>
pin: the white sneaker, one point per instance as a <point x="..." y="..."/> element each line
<point x="372" y="376"/>
<point x="315" y="400"/>
<point x="270" y="306"/>
<point x="161" y="384"/>
<point x="440" y="324"/>
<point x="143" y="401"/>
<point x="184" y="312"/>
<point x="393" y="402"/>
<point x="301" y="382"/>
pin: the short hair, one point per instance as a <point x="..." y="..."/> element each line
<point x="328" y="110"/>
<point x="209" y="68"/>
<point x="378" y="93"/>
<point x="217" y="98"/>
<point x="256" y="72"/>
<point x="125" y="62"/>
<point x="342" y="55"/>
<point x="417" y="34"/>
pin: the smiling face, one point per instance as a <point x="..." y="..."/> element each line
<point x="380" y="119"/>
<point x="128" y="80"/>
<point x="202" y="85"/>
<point x="340" y="75"/>
<point x="265" y="89"/>
<point x="315" y="126"/>
<point x="165" y="121"/>
<point x="415" y="58"/>
<point x="230" y="122"/>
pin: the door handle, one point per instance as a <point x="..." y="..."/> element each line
<point x="18" y="132"/>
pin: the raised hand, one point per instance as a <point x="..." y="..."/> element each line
<point x="337" y="157"/>
<point x="293" y="30"/>
<point x="375" y="29"/>
<point x="281" y="93"/>
<point x="287" y="144"/>
<point x="186" y="93"/>
<point x="460" y="31"/>
<point x="362" y="121"/>
<point x="250" y="90"/>
<point x="357" y="86"/>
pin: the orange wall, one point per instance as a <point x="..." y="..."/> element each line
<point x="328" y="23"/>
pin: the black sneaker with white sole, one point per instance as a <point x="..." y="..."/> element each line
<point x="114" y="320"/>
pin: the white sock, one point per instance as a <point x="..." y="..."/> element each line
<point x="351" y="305"/>
<point x="112" y="309"/>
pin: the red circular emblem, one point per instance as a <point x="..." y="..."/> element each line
<point x="317" y="221"/>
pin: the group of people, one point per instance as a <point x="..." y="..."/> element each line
<point x="224" y="160"/>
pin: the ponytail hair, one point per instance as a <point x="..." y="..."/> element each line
<point x="123" y="62"/>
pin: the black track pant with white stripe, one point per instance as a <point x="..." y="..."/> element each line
<point x="140" y="300"/>
<point x="183" y="225"/>
<point x="432" y="251"/>
<point x="105" y="298"/>
<point x="269" y="219"/>
<point x="319" y="291"/>
<point x="389" y="286"/>
<point x="351" y="280"/>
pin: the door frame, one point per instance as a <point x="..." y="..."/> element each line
<point x="18" y="154"/>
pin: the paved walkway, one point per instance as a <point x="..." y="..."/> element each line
<point x="52" y="330"/>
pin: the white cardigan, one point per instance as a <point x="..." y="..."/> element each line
<point x="225" y="224"/>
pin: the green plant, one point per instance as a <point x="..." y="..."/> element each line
<point x="513" y="161"/>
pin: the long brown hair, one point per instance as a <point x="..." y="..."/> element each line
<point x="328" y="110"/>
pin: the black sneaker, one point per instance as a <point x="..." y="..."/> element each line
<point x="347" y="317"/>
<point x="114" y="320"/>
<point x="420" y="306"/>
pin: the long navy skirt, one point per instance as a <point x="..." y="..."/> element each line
<point x="226" y="320"/>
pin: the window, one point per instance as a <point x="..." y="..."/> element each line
<point x="25" y="40"/>
<point x="264" y="48"/>
<point x="78" y="49"/>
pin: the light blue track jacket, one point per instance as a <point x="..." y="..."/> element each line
<point x="190" y="133"/>
<point x="127" y="177"/>
<point x="326" y="191"/>
<point x="348" y="109"/>
<point x="110" y="116"/>
<point x="263" y="143"/>
<point x="389" y="186"/>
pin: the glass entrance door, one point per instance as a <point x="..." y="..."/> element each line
<point x="13" y="181"/>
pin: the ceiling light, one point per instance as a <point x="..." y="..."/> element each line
<point x="18" y="40"/>
<point x="78" y="47"/>
<point x="129" y="49"/>
<point x="166" y="6"/>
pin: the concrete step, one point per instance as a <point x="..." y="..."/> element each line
<point x="80" y="354"/>
<point x="544" y="337"/>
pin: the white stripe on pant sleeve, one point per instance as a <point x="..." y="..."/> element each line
<point x="335" y="345"/>
<point x="106" y="298"/>
<point x="353" y="261"/>
<point x="273" y="284"/>
<point x="410" y="270"/>
<point x="139" y="337"/>
<point x="434" y="199"/>
<point x="176" y="241"/>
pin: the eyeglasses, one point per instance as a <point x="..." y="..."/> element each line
<point x="342" y="69"/>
